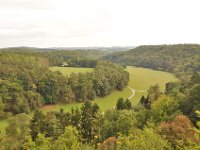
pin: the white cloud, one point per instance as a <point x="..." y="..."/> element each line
<point x="28" y="4"/>
<point x="47" y="23"/>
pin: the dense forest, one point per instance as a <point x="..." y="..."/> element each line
<point x="166" y="120"/>
<point x="76" y="58"/>
<point x="27" y="83"/>
<point x="57" y="57"/>
<point x="179" y="59"/>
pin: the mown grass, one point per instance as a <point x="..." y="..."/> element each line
<point x="140" y="80"/>
<point x="69" y="70"/>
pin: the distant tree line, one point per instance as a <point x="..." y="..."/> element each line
<point x="179" y="59"/>
<point x="75" y="58"/>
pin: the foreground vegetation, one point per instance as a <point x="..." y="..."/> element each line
<point x="156" y="123"/>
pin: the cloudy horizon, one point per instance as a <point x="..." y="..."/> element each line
<point x="78" y="23"/>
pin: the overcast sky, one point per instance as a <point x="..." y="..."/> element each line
<point x="56" y="23"/>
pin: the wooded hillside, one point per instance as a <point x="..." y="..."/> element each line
<point x="173" y="58"/>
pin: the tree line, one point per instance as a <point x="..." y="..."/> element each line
<point x="26" y="83"/>
<point x="181" y="59"/>
<point x="75" y="58"/>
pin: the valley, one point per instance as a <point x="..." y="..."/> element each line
<point x="140" y="80"/>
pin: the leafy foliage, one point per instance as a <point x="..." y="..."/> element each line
<point x="179" y="132"/>
<point x="143" y="140"/>
<point x="121" y="104"/>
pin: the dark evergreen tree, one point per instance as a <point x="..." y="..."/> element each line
<point x="127" y="104"/>
<point x="120" y="104"/>
<point x="37" y="124"/>
<point x="89" y="117"/>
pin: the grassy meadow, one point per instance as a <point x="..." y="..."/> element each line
<point x="140" y="80"/>
<point x="69" y="70"/>
<point x="105" y="103"/>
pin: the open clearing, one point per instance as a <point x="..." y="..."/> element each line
<point x="69" y="70"/>
<point x="140" y="80"/>
<point x="104" y="103"/>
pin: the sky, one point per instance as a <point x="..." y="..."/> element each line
<point x="73" y="23"/>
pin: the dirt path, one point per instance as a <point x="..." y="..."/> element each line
<point x="133" y="92"/>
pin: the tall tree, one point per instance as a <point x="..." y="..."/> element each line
<point x="37" y="124"/>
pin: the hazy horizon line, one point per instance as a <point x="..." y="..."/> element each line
<point x="104" y="46"/>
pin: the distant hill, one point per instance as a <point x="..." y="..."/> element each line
<point x="75" y="56"/>
<point x="28" y="49"/>
<point x="173" y="58"/>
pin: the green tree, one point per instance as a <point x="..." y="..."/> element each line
<point x="37" y="124"/>
<point x="42" y="143"/>
<point x="48" y="87"/>
<point x="127" y="104"/>
<point x="145" y="139"/>
<point x="90" y="120"/>
<point x="68" y="141"/>
<point x="153" y="94"/>
<point x="52" y="127"/>
<point x="116" y="122"/>
<point x="16" y="131"/>
<point x="28" y="144"/>
<point x="34" y="99"/>
<point x="191" y="104"/>
<point x="164" y="109"/>
<point x="120" y="104"/>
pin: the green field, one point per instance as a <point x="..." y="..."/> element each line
<point x="140" y="80"/>
<point x="105" y="103"/>
<point x="69" y="70"/>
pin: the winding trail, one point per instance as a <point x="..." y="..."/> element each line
<point x="133" y="92"/>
